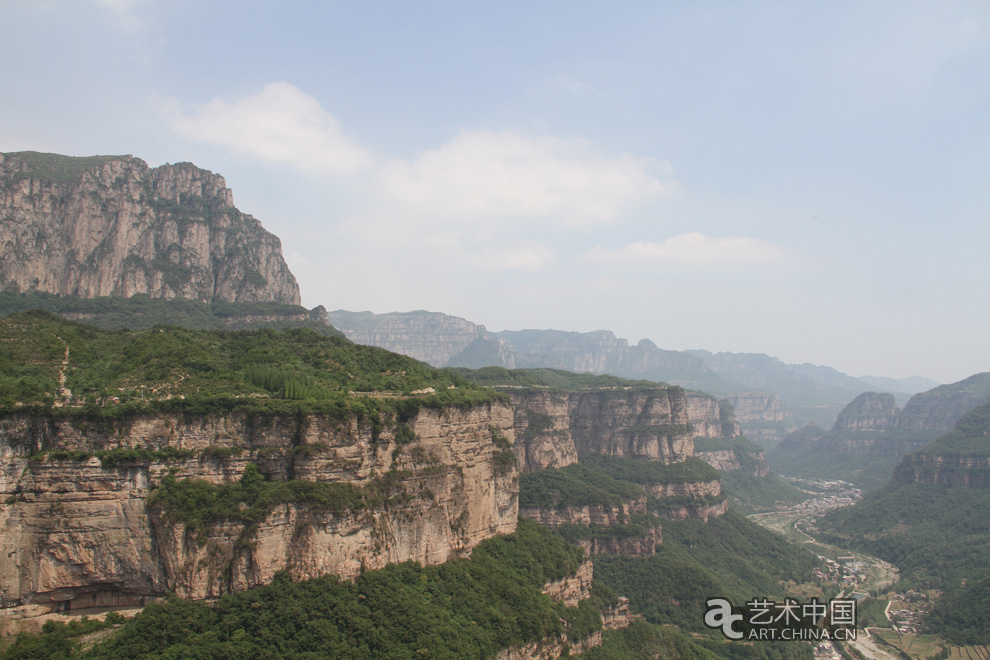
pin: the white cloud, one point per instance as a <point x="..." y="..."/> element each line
<point x="281" y="124"/>
<point x="693" y="248"/>
<point x="488" y="174"/>
<point x="575" y="86"/>
<point x="126" y="13"/>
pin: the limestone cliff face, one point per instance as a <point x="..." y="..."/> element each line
<point x="637" y="424"/>
<point x="869" y="411"/>
<point x="945" y="470"/>
<point x="761" y="417"/>
<point x="542" y="424"/>
<point x="78" y="531"/>
<point x="554" y="428"/>
<point x="112" y="225"/>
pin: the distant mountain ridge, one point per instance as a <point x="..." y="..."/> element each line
<point x="113" y="226"/>
<point x="871" y="435"/>
<point x="809" y="392"/>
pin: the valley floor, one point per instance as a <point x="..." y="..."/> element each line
<point x="855" y="572"/>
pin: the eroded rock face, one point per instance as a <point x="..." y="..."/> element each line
<point x="945" y="470"/>
<point x="869" y="411"/>
<point x="117" y="227"/>
<point x="650" y="424"/>
<point x="75" y="530"/>
<point x="554" y="428"/>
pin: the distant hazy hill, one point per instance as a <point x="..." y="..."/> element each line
<point x="809" y="392"/>
<point x="911" y="385"/>
<point x="871" y="435"/>
<point x="113" y="226"/>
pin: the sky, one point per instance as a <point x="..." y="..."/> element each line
<point x="806" y="180"/>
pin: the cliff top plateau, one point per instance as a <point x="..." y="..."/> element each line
<point x="50" y="364"/>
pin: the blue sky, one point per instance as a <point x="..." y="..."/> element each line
<point x="807" y="180"/>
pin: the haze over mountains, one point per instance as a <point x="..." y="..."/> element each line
<point x="809" y="392"/>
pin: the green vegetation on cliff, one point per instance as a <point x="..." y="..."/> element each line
<point x="467" y="608"/>
<point x="556" y="379"/>
<point x="142" y="311"/>
<point x="53" y="366"/>
<point x="575" y="485"/>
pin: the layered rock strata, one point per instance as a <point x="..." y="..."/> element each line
<point x="76" y="533"/>
<point x="555" y="428"/>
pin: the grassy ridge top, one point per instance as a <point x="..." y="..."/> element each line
<point x="48" y="363"/>
<point x="56" y="168"/>
<point x="551" y="378"/>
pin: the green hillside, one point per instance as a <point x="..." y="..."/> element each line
<point x="113" y="373"/>
<point x="142" y="311"/>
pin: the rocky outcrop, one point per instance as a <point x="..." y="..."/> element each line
<point x="869" y="411"/>
<point x="75" y="530"/>
<point x="113" y="226"/>
<point x="704" y="511"/>
<point x="571" y="591"/>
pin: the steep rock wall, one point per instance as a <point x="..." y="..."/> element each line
<point x="112" y="226"/>
<point x="869" y="411"/>
<point x="555" y="428"/>
<point x="945" y="470"/>
<point x="75" y="530"/>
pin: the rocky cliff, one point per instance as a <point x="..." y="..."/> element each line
<point x="113" y="226"/>
<point x="761" y="417"/>
<point x="869" y="411"/>
<point x="958" y="458"/>
<point x="79" y="528"/>
<point x="555" y="428"/>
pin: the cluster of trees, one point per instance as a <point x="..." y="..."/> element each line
<point x="114" y="373"/>
<point x="199" y="504"/>
<point x="575" y="485"/>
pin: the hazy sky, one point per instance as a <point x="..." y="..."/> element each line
<point x="809" y="180"/>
